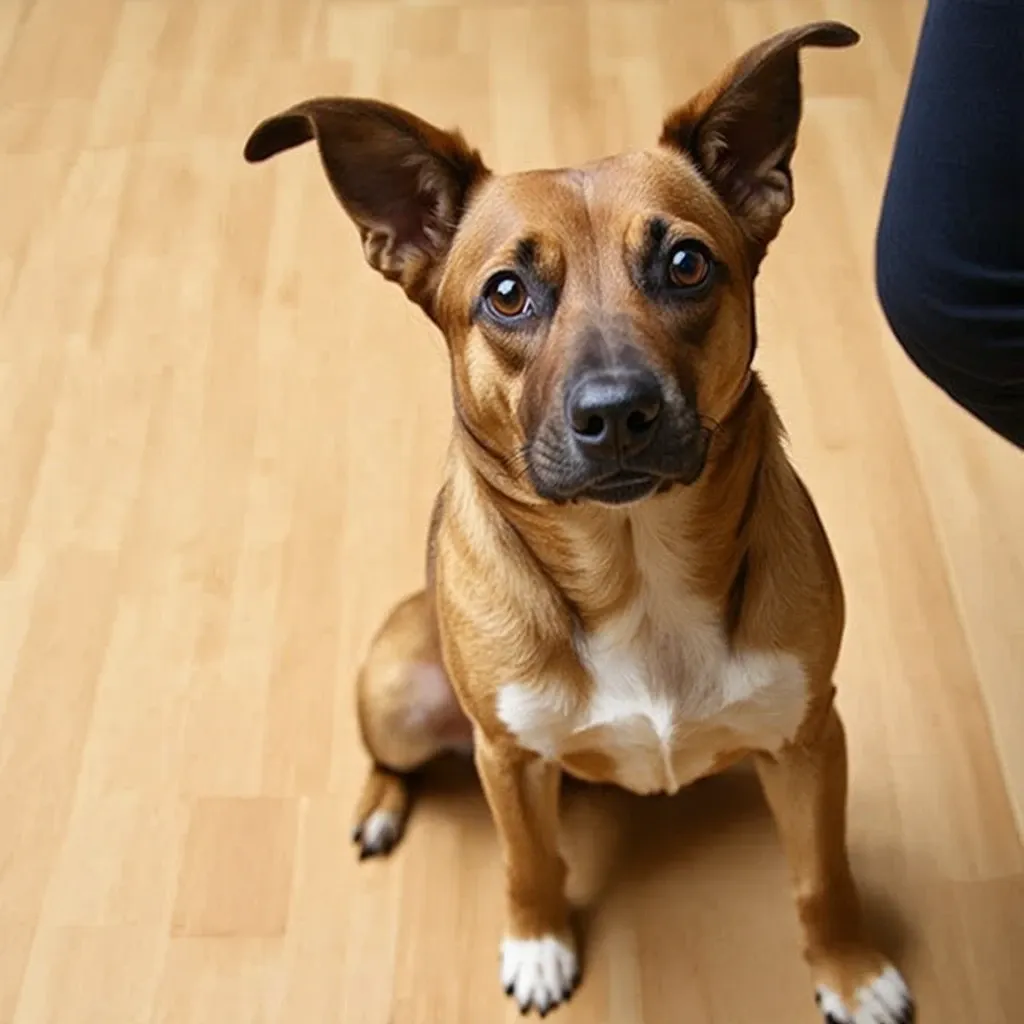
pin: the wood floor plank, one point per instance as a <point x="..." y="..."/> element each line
<point x="42" y="735"/>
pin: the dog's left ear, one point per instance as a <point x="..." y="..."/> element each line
<point x="403" y="182"/>
<point x="741" y="130"/>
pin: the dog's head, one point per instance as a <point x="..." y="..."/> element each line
<point x="599" y="319"/>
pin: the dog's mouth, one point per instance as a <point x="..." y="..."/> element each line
<point x="623" y="488"/>
<point x="559" y="475"/>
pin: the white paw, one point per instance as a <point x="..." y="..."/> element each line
<point x="887" y="1000"/>
<point x="538" y="972"/>
<point x="378" y="834"/>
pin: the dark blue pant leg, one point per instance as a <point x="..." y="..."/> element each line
<point x="950" y="244"/>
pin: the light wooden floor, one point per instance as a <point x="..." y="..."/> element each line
<point x="220" y="436"/>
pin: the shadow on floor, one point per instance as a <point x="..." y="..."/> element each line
<point x="617" y="843"/>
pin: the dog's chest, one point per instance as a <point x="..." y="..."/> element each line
<point x="668" y="702"/>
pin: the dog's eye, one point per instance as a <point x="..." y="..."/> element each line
<point x="506" y="296"/>
<point x="688" y="266"/>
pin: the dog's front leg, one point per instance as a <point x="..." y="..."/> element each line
<point x="806" y="787"/>
<point x="539" y="966"/>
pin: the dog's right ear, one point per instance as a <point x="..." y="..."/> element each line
<point x="403" y="182"/>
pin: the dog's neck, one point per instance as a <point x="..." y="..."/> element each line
<point x="600" y="557"/>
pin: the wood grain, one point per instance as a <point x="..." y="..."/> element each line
<point x="221" y="436"/>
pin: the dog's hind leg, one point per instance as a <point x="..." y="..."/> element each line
<point x="408" y="715"/>
<point x="382" y="811"/>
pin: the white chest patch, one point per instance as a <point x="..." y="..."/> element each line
<point x="668" y="700"/>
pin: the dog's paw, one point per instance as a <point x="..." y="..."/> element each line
<point x="884" y="1000"/>
<point x="539" y="973"/>
<point x="378" y="835"/>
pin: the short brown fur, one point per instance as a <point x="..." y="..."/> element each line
<point x="523" y="560"/>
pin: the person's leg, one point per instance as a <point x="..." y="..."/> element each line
<point x="950" y="246"/>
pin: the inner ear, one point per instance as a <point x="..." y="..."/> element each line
<point x="741" y="130"/>
<point x="404" y="183"/>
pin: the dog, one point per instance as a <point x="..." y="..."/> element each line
<point x="626" y="578"/>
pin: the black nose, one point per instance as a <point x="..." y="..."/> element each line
<point x="613" y="413"/>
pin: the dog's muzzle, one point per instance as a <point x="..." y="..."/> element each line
<point x="613" y="416"/>
<point x="621" y="438"/>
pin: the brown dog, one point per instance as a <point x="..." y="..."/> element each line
<point x="626" y="578"/>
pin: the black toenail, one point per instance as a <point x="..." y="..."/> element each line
<point x="509" y="987"/>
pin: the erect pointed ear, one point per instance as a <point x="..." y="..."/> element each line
<point x="403" y="182"/>
<point x="741" y="130"/>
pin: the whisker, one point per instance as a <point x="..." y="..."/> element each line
<point x="708" y="425"/>
<point x="538" y="448"/>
